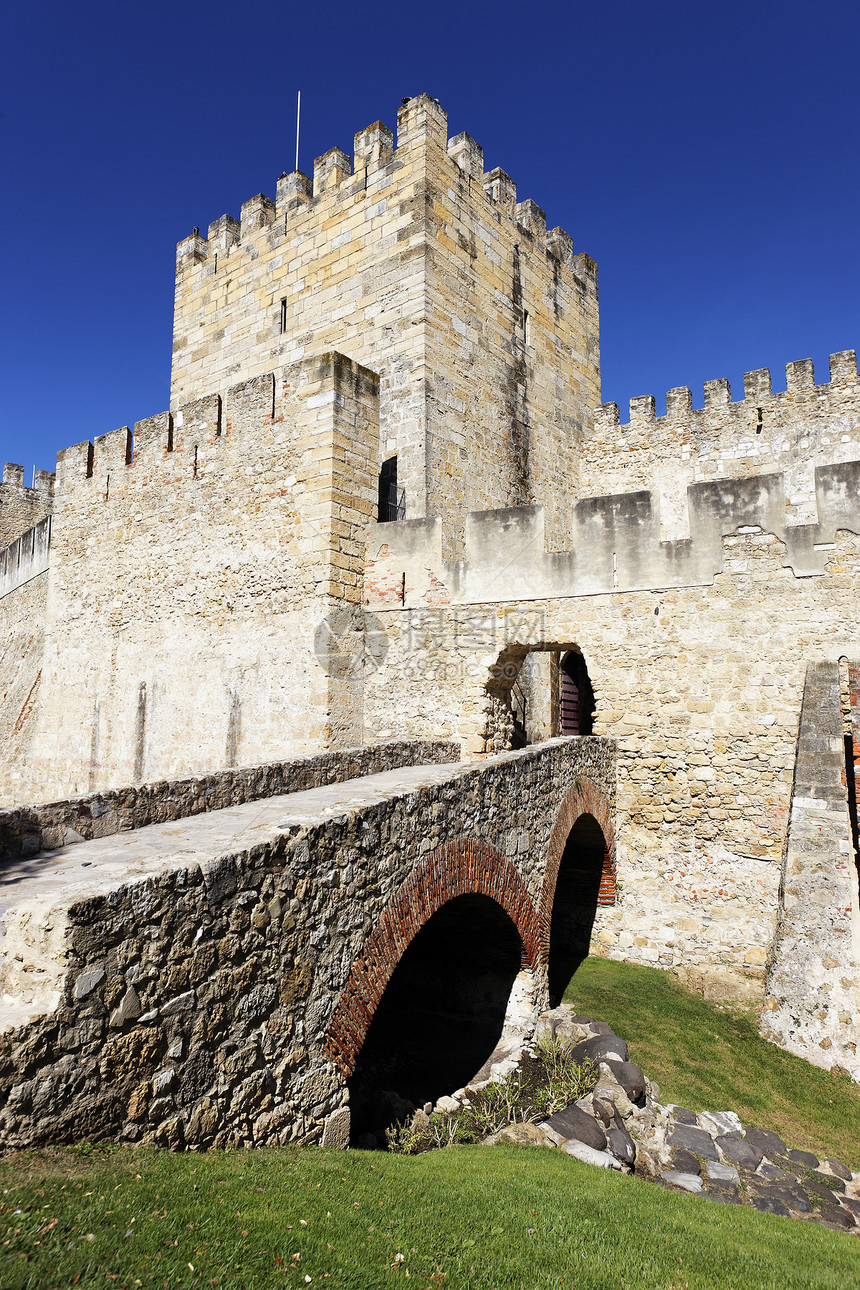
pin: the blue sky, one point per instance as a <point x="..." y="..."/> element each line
<point x="706" y="155"/>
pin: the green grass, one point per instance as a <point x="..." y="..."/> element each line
<point x="710" y="1059"/>
<point x="466" y="1218"/>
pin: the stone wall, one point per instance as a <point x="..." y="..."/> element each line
<point x="482" y="324"/>
<point x="194" y="1002"/>
<point x="27" y="830"/>
<point x="26" y="558"/>
<point x="21" y="507"/>
<point x="22" y="615"/>
<point x="813" y="979"/>
<point x="205" y="577"/>
<point x="617" y="544"/>
<point x="701" y="687"/>
<point x="791" y="431"/>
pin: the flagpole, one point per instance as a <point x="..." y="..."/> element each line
<point x="298" y="118"/>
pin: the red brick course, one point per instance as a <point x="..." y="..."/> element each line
<point x="462" y="866"/>
<point x="584" y="798"/>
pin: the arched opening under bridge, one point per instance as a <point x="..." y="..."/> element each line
<point x="440" y="1016"/>
<point x="575" y="902"/>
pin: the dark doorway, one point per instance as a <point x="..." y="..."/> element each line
<point x="576" y="700"/>
<point x="575" y="903"/>
<point x="390" y="505"/>
<point x="440" y="1017"/>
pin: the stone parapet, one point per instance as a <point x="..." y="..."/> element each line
<point x="790" y="431"/>
<point x="21" y="508"/>
<point x="27" y="830"/>
<point x="617" y="544"/>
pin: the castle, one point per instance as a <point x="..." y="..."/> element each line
<point x="386" y="503"/>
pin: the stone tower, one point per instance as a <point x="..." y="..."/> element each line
<point x="415" y="263"/>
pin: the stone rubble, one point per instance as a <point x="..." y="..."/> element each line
<point x="623" y="1125"/>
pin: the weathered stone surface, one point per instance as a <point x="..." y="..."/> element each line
<point x="717" y="1123"/>
<point x="769" y="1144"/>
<point x="681" y="1115"/>
<point x="687" y="1182"/>
<point x="88" y="981"/>
<point x="129" y="1009"/>
<point x="448" y="1105"/>
<point x="721" y="1173"/>
<point x="609" y="1090"/>
<point x="684" y="1162"/>
<point x="739" y="1152"/>
<point x="526" y="1135"/>
<point x="575" y="1123"/>
<point x="631" y="1079"/>
<point x="836" y="1216"/>
<point x="601" y="1048"/>
<point x="589" y="1155"/>
<point x="805" y="1158"/>
<point x="773" y="1172"/>
<point x="335" y="1132"/>
<point x="815" y="1187"/>
<point x="621" y="1145"/>
<point x="696" y="1140"/>
<point x="769" y="1205"/>
<point x="835" y="1167"/>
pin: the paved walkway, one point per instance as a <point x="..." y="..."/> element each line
<point x="203" y="837"/>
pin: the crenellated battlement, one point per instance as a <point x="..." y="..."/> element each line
<point x="22" y="507"/>
<point x="617" y="544"/>
<point x="791" y="430"/>
<point x="337" y="175"/>
<point x="758" y="390"/>
<point x="291" y="444"/>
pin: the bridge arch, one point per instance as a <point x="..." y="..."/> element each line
<point x="462" y="867"/>
<point x="579" y="877"/>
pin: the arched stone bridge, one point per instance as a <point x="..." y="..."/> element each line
<point x="233" y="977"/>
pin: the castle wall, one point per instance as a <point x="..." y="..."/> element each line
<point x="419" y="265"/>
<point x="814" y="965"/>
<point x="700" y="684"/>
<point x="22" y="613"/>
<point x="195" y="569"/>
<point x="790" y="431"/>
<point x="26" y="558"/>
<point x="20" y="507"/>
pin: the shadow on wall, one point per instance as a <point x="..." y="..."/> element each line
<point x="440" y="1017"/>
<point x="575" y="904"/>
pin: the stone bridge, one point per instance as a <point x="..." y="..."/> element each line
<point x="244" y="975"/>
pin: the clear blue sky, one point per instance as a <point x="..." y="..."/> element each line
<point x="706" y="155"/>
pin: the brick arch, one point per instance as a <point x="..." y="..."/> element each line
<point x="582" y="798"/>
<point x="457" y="868"/>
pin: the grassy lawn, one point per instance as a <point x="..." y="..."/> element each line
<point x="467" y="1218"/>
<point x="710" y="1059"/>
<point x="512" y="1218"/>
